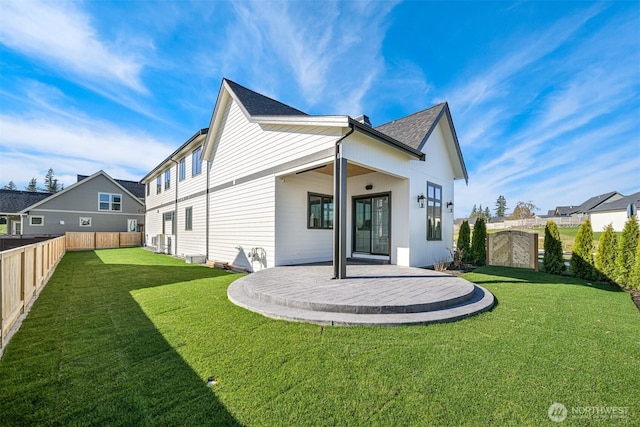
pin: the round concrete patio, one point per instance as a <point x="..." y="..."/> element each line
<point x="373" y="295"/>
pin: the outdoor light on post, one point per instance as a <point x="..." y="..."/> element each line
<point x="421" y="200"/>
<point x="450" y="206"/>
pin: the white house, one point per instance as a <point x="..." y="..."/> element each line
<point x="269" y="185"/>
<point x="615" y="212"/>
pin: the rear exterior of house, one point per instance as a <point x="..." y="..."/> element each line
<point x="94" y="204"/>
<point x="279" y="187"/>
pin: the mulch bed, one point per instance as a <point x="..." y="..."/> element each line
<point x="635" y="296"/>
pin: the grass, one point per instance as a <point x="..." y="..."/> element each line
<point x="3" y="228"/>
<point x="567" y="236"/>
<point x="123" y="337"/>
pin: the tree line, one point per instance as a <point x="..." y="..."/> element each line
<point x="51" y="184"/>
<point x="522" y="210"/>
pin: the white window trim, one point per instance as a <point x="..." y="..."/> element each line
<point x="111" y="202"/>
<point x="85" y="218"/>
<point x="31" y="224"/>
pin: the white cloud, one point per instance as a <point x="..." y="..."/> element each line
<point x="62" y="36"/>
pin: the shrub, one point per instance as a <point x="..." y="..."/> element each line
<point x="635" y="272"/>
<point x="553" y="260"/>
<point x="479" y="243"/>
<point x="607" y="254"/>
<point x="582" y="255"/>
<point x="464" y="241"/>
<point x="627" y="251"/>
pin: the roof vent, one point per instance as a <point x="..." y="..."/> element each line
<point x="364" y="119"/>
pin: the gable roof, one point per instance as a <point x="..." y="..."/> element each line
<point x="134" y="187"/>
<point x="596" y="201"/>
<point x="414" y="130"/>
<point x="14" y="201"/>
<point x="79" y="183"/>
<point x="619" y="204"/>
<point x="257" y="104"/>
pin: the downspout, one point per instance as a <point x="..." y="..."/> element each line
<point x="339" y="181"/>
<point x="207" y="212"/>
<point x="174" y="223"/>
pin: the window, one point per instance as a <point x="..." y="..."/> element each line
<point x="182" y="169"/>
<point x="188" y="218"/>
<point x="132" y="225"/>
<point x="434" y="211"/>
<point x="167" y="179"/>
<point x="85" y="221"/>
<point x="168" y="224"/>
<point x="36" y="221"/>
<point x="148" y="188"/>
<point x="196" y="159"/>
<point x="320" y="211"/>
<point x="158" y="184"/>
<point x="109" y="202"/>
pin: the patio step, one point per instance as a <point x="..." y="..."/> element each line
<point x="370" y="295"/>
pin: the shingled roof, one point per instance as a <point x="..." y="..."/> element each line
<point x="133" y="187"/>
<point x="596" y="201"/>
<point x="619" y="204"/>
<point x="260" y="105"/>
<point x="414" y="129"/>
<point x="14" y="201"/>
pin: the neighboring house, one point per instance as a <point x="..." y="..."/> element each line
<point x="94" y="203"/>
<point x="267" y="185"/>
<point x="615" y="212"/>
<point x="12" y="202"/>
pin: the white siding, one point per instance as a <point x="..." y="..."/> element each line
<point x="243" y="216"/>
<point x="599" y="220"/>
<point x="244" y="148"/>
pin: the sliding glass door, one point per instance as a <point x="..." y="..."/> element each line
<point x="371" y="224"/>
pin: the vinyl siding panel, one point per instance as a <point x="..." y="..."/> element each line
<point x="243" y="216"/>
<point x="244" y="148"/>
<point x="192" y="242"/>
<point x="99" y="222"/>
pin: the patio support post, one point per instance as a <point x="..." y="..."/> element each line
<point x="340" y="217"/>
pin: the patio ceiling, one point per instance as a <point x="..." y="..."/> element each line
<point x="352" y="170"/>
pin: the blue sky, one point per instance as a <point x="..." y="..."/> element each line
<point x="545" y="96"/>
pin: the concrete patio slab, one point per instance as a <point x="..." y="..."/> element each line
<point x="375" y="295"/>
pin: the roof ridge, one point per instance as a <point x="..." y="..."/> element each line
<point x="232" y="84"/>
<point x="412" y="114"/>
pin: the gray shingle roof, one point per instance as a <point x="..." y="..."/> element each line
<point x="594" y="202"/>
<point x="619" y="205"/>
<point x="413" y="129"/>
<point x="132" y="187"/>
<point x="260" y="105"/>
<point x="13" y="201"/>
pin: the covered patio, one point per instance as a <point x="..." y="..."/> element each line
<point x="369" y="295"/>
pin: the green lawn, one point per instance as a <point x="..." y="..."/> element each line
<point x="127" y="337"/>
<point x="3" y="228"/>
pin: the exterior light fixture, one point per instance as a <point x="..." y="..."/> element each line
<point x="368" y="187"/>
<point x="450" y="206"/>
<point x="421" y="200"/>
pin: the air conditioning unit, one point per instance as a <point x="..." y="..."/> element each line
<point x="160" y="243"/>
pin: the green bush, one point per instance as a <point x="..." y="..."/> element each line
<point x="553" y="260"/>
<point x="582" y="255"/>
<point x="627" y="248"/>
<point x="635" y="272"/>
<point x="479" y="243"/>
<point x="464" y="241"/>
<point x="607" y="254"/>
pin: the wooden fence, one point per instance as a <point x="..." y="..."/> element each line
<point x="89" y="241"/>
<point x="513" y="249"/>
<point x="23" y="273"/>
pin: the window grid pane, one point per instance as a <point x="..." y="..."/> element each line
<point x="434" y="211"/>
<point x="320" y="211"/>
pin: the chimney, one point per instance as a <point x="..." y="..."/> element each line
<point x="364" y="119"/>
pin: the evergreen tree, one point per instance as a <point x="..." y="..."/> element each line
<point x="51" y="183"/>
<point x="553" y="259"/>
<point x="33" y="185"/>
<point x="582" y="255"/>
<point x="487" y="214"/>
<point x="479" y="243"/>
<point x="607" y="254"/>
<point x="501" y="207"/>
<point x="464" y="240"/>
<point x="627" y="252"/>
<point x="10" y="186"/>
<point x="635" y="272"/>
